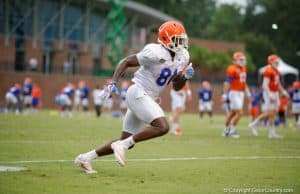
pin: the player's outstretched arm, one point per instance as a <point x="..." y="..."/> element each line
<point x="130" y="61"/>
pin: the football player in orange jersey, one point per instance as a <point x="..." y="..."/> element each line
<point x="36" y="97"/>
<point x="271" y="87"/>
<point x="235" y="87"/>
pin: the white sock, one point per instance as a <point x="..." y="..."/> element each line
<point x="232" y="129"/>
<point x="91" y="155"/>
<point x="255" y="122"/>
<point x="226" y="129"/>
<point x="272" y="129"/>
<point x="174" y="127"/>
<point x="70" y="114"/>
<point x="128" y="142"/>
<point x="298" y="122"/>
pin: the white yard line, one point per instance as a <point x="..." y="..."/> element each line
<point x="163" y="159"/>
<point x="35" y="142"/>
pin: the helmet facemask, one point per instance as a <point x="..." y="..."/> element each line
<point x="172" y="36"/>
<point x="178" y="42"/>
<point x="275" y="63"/>
<point x="241" y="61"/>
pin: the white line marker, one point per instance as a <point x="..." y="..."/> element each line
<point x="164" y="159"/>
<point x="11" y="168"/>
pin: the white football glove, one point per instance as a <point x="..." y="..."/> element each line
<point x="112" y="88"/>
<point x="189" y="72"/>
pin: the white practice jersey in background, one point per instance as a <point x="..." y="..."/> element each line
<point x="157" y="68"/>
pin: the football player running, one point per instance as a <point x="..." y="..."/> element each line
<point x="159" y="64"/>
<point x="271" y="87"/>
<point x="236" y="87"/>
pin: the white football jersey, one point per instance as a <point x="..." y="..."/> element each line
<point x="157" y="68"/>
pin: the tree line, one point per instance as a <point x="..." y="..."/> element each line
<point x="265" y="26"/>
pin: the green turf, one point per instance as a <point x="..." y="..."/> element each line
<point x="48" y="137"/>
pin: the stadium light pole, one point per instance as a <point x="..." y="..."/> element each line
<point x="86" y="25"/>
<point x="6" y="22"/>
<point x="35" y="23"/>
<point x="61" y="19"/>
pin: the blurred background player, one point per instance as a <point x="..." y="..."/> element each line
<point x="225" y="100"/>
<point x="77" y="98"/>
<point x="84" y="96"/>
<point x="236" y="87"/>
<point x="158" y="64"/>
<point x="65" y="100"/>
<point x="205" y="100"/>
<point x="124" y="88"/>
<point x="26" y="92"/>
<point x="282" y="110"/>
<point x="295" y="100"/>
<point x="178" y="104"/>
<point x="36" y="96"/>
<point x="12" y="98"/>
<point x="256" y="97"/>
<point x="98" y="101"/>
<point x="108" y="102"/>
<point x="271" y="87"/>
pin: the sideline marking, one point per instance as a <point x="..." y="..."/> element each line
<point x="164" y="159"/>
<point x="11" y="168"/>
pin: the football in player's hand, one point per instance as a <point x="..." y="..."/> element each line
<point x="178" y="82"/>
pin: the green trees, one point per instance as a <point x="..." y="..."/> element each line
<point x="251" y="24"/>
<point x="203" y="57"/>
<point x="284" y="40"/>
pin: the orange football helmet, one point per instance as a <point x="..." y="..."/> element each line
<point x="172" y="35"/>
<point x="239" y="58"/>
<point x="273" y="60"/>
<point x="296" y="85"/>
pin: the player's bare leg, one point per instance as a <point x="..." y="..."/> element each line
<point x="210" y="114"/>
<point x="272" y="131"/>
<point x="236" y="119"/>
<point x="230" y="123"/>
<point x="229" y="117"/>
<point x="158" y="128"/>
<point x="106" y="148"/>
<point x="201" y="114"/>
<point x="255" y="123"/>
<point x="84" y="160"/>
<point x="175" y="129"/>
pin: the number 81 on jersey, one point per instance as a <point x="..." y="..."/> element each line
<point x="165" y="76"/>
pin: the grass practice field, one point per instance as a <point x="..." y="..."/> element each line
<point x="200" y="161"/>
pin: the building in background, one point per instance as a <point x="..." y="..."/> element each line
<point x="73" y="32"/>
